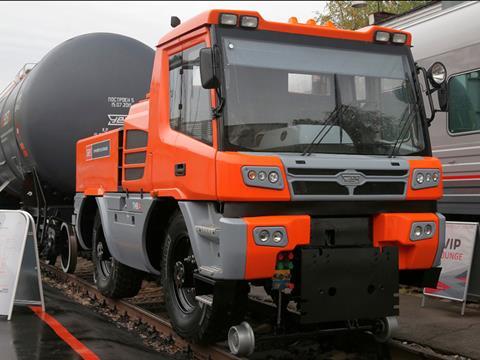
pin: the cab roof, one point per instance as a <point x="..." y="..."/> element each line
<point x="328" y="30"/>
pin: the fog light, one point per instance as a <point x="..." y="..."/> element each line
<point x="428" y="230"/>
<point x="273" y="177"/>
<point x="252" y="175"/>
<point x="249" y="22"/>
<point x="418" y="231"/>
<point x="382" y="36"/>
<point x="228" y="19"/>
<point x="420" y="178"/>
<point x="263" y="236"/>
<point x="277" y="236"/>
<point x="435" y="177"/>
<point x="399" y="38"/>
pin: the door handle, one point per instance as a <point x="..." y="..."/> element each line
<point x="180" y="169"/>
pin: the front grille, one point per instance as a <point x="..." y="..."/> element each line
<point x="333" y="172"/>
<point x="380" y="188"/>
<point x="318" y="188"/>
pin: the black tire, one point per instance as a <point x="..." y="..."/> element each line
<point x="190" y="319"/>
<point x="112" y="278"/>
<point x="68" y="248"/>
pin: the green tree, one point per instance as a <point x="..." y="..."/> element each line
<point x="345" y="16"/>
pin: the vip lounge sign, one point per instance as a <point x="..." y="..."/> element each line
<point x="456" y="261"/>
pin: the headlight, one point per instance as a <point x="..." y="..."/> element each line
<point x="419" y="178"/>
<point x="428" y="229"/>
<point x="422" y="230"/>
<point x="425" y="178"/>
<point x="228" y="19"/>
<point x="262" y="176"/>
<point x="418" y="231"/>
<point x="277" y="236"/>
<point x="399" y="38"/>
<point x="382" y="36"/>
<point x="273" y="177"/>
<point x="437" y="74"/>
<point x="270" y="236"/>
<point x="249" y="22"/>
<point x="263" y="236"/>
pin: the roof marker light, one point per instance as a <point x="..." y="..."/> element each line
<point x="228" y="19"/>
<point x="399" y="38"/>
<point x="382" y="36"/>
<point x="250" y="22"/>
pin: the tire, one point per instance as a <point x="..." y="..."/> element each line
<point x="112" y="278"/>
<point x="190" y="319"/>
<point x="68" y="248"/>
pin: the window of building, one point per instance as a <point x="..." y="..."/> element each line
<point x="464" y="103"/>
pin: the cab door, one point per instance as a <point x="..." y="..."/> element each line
<point x="195" y="149"/>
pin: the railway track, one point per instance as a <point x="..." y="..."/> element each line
<point x="146" y="311"/>
<point x="137" y="314"/>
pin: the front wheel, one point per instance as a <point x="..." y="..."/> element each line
<point x="191" y="319"/>
<point x="112" y="278"/>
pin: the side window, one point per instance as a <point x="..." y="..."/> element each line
<point x="464" y="102"/>
<point x="190" y="107"/>
<point x="175" y="90"/>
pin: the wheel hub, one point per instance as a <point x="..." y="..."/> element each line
<point x="179" y="274"/>
<point x="100" y="250"/>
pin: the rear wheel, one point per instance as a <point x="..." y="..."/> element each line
<point x="191" y="319"/>
<point x="112" y="278"/>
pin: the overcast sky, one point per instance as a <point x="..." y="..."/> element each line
<point x="28" y="30"/>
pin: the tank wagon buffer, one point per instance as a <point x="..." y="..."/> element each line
<point x="290" y="156"/>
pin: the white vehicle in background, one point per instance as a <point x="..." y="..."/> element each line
<point x="449" y="32"/>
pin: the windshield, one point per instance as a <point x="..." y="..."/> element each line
<point x="280" y="96"/>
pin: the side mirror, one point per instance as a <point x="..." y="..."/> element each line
<point x="208" y="69"/>
<point x="443" y="97"/>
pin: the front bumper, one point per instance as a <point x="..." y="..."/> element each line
<point x="225" y="248"/>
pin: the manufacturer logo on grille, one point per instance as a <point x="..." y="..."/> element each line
<point x="351" y="179"/>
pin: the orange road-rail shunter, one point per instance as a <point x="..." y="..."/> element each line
<point x="285" y="155"/>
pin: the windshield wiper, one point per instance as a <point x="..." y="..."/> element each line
<point x="330" y="121"/>
<point x="407" y="121"/>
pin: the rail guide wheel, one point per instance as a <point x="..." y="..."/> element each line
<point x="385" y="329"/>
<point x="241" y="339"/>
<point x="68" y="248"/>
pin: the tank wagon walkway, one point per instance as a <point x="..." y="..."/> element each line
<point x="440" y="326"/>
<point x="79" y="334"/>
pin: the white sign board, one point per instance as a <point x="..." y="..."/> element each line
<point x="20" y="281"/>
<point x="456" y="261"/>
